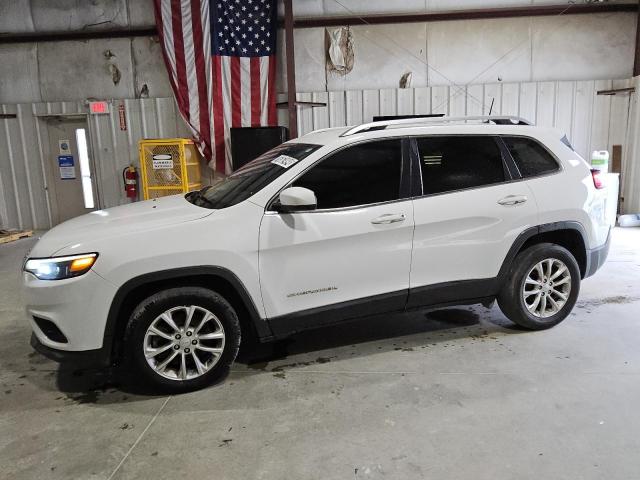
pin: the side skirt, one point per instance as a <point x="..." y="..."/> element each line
<point x="466" y="292"/>
<point x="291" y="323"/>
<point x="454" y="293"/>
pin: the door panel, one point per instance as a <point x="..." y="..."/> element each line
<point x="466" y="235"/>
<point x="469" y="216"/>
<point x="67" y="175"/>
<point x="309" y="260"/>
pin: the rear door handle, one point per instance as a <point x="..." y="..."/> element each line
<point x="388" y="218"/>
<point x="512" y="200"/>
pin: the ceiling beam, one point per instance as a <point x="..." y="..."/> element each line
<point x="31" y="37"/>
<point x="313" y="22"/>
<point x="476" y="14"/>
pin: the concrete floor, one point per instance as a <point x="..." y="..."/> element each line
<point x="458" y="393"/>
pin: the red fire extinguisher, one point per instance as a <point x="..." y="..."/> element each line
<point x="130" y="177"/>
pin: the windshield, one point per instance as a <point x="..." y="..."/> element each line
<point x="252" y="177"/>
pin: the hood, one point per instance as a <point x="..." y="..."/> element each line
<point x="79" y="232"/>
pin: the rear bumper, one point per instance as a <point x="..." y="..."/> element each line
<point x="597" y="256"/>
<point x="85" y="359"/>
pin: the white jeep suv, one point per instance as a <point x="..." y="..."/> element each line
<point x="339" y="224"/>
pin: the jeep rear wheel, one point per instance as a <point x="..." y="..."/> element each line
<point x="542" y="287"/>
<point x="182" y="339"/>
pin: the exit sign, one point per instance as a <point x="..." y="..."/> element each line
<point x="99" y="107"/>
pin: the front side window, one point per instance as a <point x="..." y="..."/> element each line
<point x="359" y="175"/>
<point x="252" y="177"/>
<point x="451" y="163"/>
<point x="531" y="158"/>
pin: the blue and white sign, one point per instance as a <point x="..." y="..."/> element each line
<point x="67" y="167"/>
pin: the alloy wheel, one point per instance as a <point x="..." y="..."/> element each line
<point x="184" y="342"/>
<point x="547" y="287"/>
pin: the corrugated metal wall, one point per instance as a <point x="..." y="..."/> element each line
<point x="630" y="180"/>
<point x="25" y="153"/>
<point x="590" y="121"/>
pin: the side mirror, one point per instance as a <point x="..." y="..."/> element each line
<point x="296" y="199"/>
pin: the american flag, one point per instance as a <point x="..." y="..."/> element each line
<point x="220" y="55"/>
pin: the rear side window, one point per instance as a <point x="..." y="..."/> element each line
<point x="359" y="175"/>
<point x="531" y="158"/>
<point x="458" y="162"/>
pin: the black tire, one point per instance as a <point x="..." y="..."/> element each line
<point x="150" y="308"/>
<point x="510" y="298"/>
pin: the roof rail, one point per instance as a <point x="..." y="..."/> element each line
<point x="497" y="120"/>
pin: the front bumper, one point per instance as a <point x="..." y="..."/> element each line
<point x="76" y="307"/>
<point x="100" y="358"/>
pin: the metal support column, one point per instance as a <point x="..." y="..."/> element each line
<point x="291" y="69"/>
<point x="636" y="59"/>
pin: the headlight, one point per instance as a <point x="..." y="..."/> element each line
<point x="57" y="268"/>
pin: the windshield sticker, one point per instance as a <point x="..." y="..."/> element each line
<point x="285" y="161"/>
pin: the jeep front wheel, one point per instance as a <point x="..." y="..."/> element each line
<point x="182" y="339"/>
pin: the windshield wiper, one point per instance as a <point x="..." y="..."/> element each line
<point x="197" y="198"/>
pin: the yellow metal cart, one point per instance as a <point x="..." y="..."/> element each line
<point x="168" y="166"/>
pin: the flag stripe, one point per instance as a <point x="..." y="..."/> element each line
<point x="272" y="120"/>
<point x="218" y="117"/>
<point x="245" y="91"/>
<point x="227" y="106"/>
<point x="178" y="48"/>
<point x="189" y="59"/>
<point x="201" y="78"/>
<point x="256" y="104"/>
<point x="236" y="113"/>
<point x="264" y="88"/>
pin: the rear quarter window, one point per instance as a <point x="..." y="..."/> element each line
<point x="531" y="158"/>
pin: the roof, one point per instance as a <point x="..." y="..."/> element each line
<point x="445" y="126"/>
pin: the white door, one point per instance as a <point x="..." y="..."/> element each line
<point x="468" y="217"/>
<point x="354" y="250"/>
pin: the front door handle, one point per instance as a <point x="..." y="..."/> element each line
<point x="512" y="200"/>
<point x="388" y="218"/>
